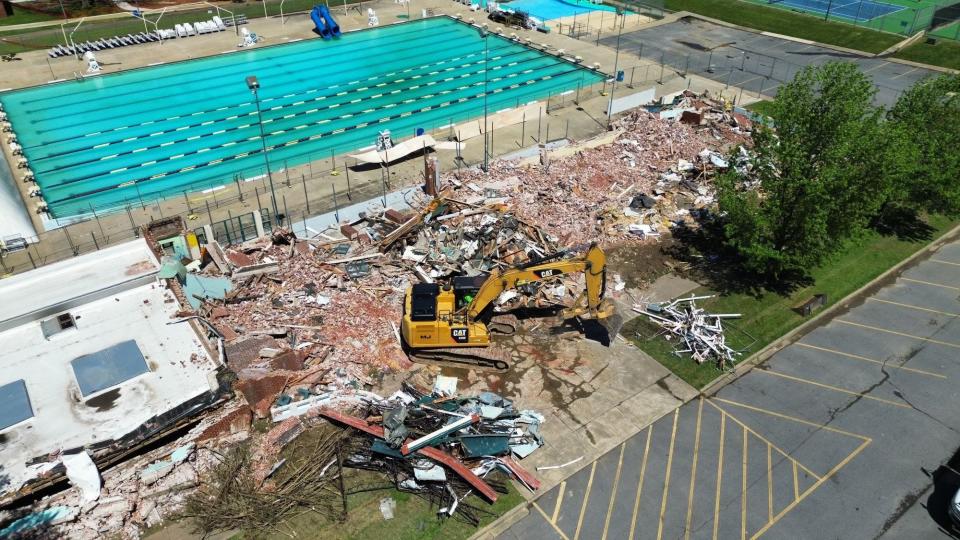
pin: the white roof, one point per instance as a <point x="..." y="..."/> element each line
<point x="179" y="367"/>
<point x="55" y="287"/>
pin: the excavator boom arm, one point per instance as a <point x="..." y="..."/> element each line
<point x="593" y="265"/>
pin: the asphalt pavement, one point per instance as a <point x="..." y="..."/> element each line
<point x="755" y="62"/>
<point x="846" y="433"/>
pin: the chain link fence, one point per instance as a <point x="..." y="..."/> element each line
<point x="320" y="186"/>
<point x="149" y="20"/>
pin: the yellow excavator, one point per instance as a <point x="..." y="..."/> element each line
<point x="452" y="324"/>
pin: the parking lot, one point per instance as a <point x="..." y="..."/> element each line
<point x="834" y="436"/>
<point x="755" y="62"/>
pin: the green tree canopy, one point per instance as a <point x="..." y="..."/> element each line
<point x="925" y="125"/>
<point x="820" y="172"/>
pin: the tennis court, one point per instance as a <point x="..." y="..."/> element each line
<point x="855" y="11"/>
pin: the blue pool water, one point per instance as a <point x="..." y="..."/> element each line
<point x="156" y="132"/>
<point x="555" y="9"/>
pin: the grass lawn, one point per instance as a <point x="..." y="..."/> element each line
<point x="760" y="107"/>
<point x="24" y="16"/>
<point x="414" y="518"/>
<point x="789" y="23"/>
<point x="770" y="316"/>
<point x="945" y="53"/>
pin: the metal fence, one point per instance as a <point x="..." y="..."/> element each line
<point x="227" y="204"/>
<point x="754" y="74"/>
<point x="148" y="20"/>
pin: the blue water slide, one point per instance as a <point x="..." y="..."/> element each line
<point x="332" y="27"/>
<point x="317" y="18"/>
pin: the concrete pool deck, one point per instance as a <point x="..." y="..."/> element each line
<point x="308" y="189"/>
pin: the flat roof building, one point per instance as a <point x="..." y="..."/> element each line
<point x="93" y="359"/>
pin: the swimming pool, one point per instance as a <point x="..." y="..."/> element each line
<point x="554" y="9"/>
<point x="160" y="131"/>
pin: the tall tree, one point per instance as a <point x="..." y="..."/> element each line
<point x="820" y="172"/>
<point x="925" y="123"/>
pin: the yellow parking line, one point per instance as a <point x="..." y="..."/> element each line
<point x="911" y="306"/>
<point x="894" y="332"/>
<point x="586" y="497"/>
<point x="743" y="490"/>
<point x="552" y="524"/>
<point x="788" y="417"/>
<point x="556" y="508"/>
<point x="769" y="482"/>
<point x="932" y="284"/>
<point x="834" y="388"/>
<point x="941" y="261"/>
<point x="761" y="437"/>
<point x="613" y="494"/>
<point x="812" y="488"/>
<point x="643" y="472"/>
<point x="716" y="500"/>
<point x="693" y="472"/>
<point x="666" y="480"/>
<point x="871" y="360"/>
<point x="796" y="483"/>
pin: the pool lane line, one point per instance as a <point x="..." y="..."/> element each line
<point x="269" y="58"/>
<point x="291" y="143"/>
<point x="72" y="181"/>
<point x="254" y="113"/>
<point x="274" y="133"/>
<point x="343" y="70"/>
<point x="59" y="125"/>
<point x="244" y="104"/>
<point x="263" y="101"/>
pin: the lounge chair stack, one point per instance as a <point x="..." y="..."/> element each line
<point x="212" y="26"/>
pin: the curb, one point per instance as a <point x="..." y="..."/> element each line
<point x="792" y="336"/>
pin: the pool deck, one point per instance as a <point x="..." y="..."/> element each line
<point x="308" y="190"/>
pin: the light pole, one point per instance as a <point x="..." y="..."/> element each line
<point x="486" y="151"/>
<point x="253" y="84"/>
<point x="616" y="63"/>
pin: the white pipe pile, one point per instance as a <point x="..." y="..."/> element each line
<point x="700" y="334"/>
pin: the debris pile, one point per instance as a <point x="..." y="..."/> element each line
<point x="442" y="446"/>
<point x="698" y="333"/>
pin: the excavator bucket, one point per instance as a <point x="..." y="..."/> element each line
<point x="612" y="324"/>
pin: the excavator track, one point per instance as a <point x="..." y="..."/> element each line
<point x="503" y="324"/>
<point x="491" y="357"/>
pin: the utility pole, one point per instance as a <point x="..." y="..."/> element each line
<point x="253" y="84"/>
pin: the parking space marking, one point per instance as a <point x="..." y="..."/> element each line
<point x="666" y="479"/>
<point x="798" y="496"/>
<point x="830" y="387"/>
<point x="725" y="414"/>
<point x="941" y="261"/>
<point x="911" y="306"/>
<point x="894" y="332"/>
<point x="871" y="360"/>
<point x="911" y="70"/>
<point x="716" y="503"/>
<point x="787" y="417"/>
<point x="556" y="508"/>
<point x="743" y="489"/>
<point x="553" y="524"/>
<point x="643" y="472"/>
<point x="812" y="488"/>
<point x="932" y="284"/>
<point x="769" y="482"/>
<point x="796" y="482"/>
<point x="586" y="498"/>
<point x="613" y="494"/>
<point x="693" y="470"/>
